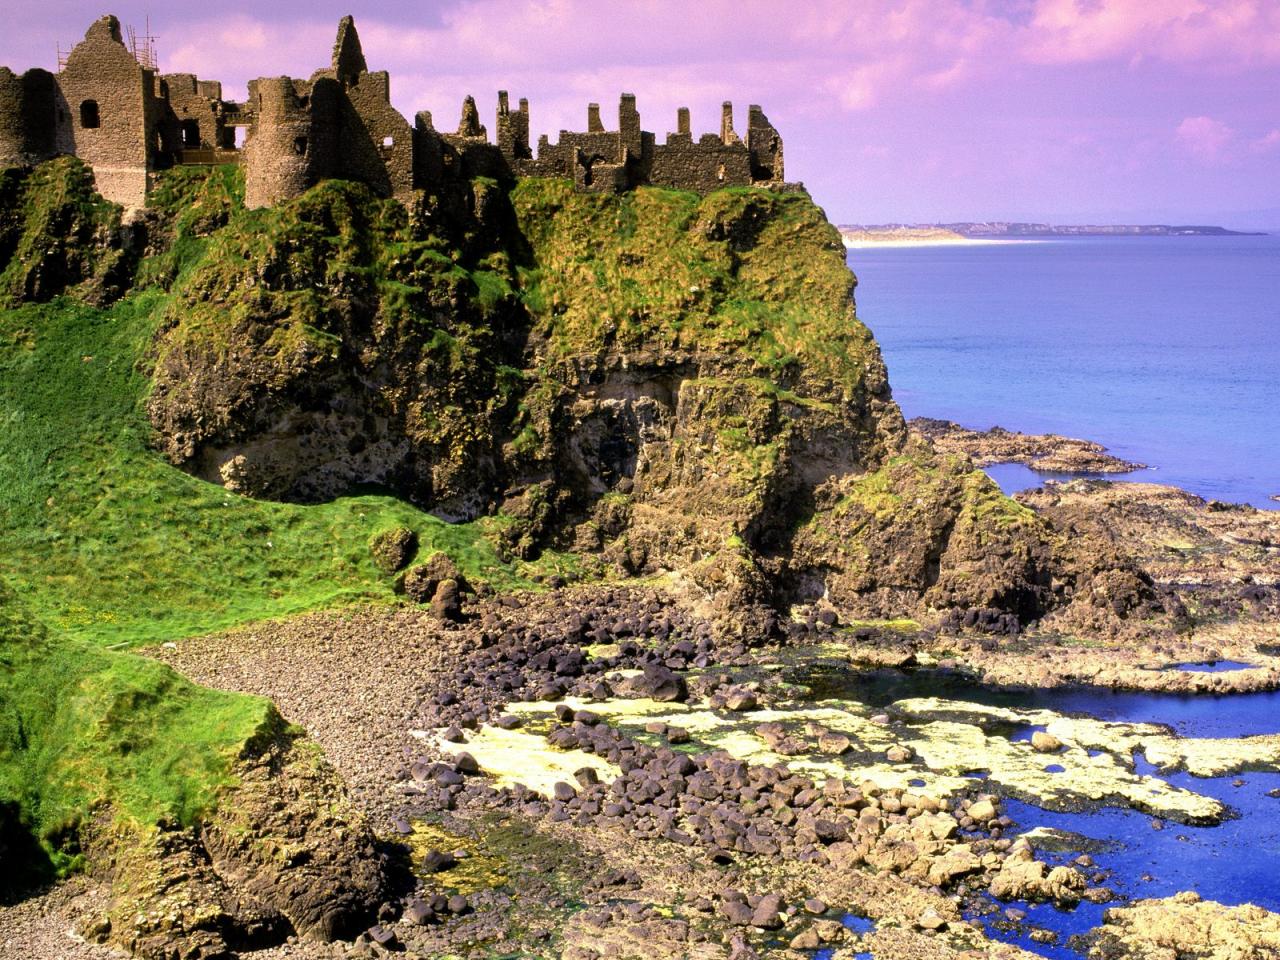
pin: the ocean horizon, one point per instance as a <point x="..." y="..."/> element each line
<point x="1164" y="349"/>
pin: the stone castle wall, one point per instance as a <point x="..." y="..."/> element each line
<point x="106" y="113"/>
<point x="28" y="105"/>
<point x="107" y="108"/>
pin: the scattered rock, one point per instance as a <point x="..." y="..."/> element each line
<point x="740" y="700"/>
<point x="1043" y="742"/>
<point x="983" y="811"/>
<point x="436" y="861"/>
<point x="661" y="684"/>
<point x="834" y="744"/>
<point x="766" y="915"/>
<point x="931" y="920"/>
<point x="815" y="906"/>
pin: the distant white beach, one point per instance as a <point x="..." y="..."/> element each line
<point x="939" y="242"/>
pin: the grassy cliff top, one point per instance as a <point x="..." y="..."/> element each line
<point x="746" y="273"/>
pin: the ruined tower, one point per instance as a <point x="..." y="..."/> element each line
<point x="513" y="129"/>
<point x="107" y="113"/>
<point x="340" y="123"/>
<point x="281" y="156"/>
<point x="28" y="105"/>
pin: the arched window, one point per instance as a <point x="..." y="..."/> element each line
<point x="190" y="133"/>
<point x="300" y="146"/>
<point x="89" y="115"/>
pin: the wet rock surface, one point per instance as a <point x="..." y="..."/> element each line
<point x="1046" y="452"/>
<point x="1186" y="926"/>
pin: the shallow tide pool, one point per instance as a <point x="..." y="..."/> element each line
<point x="1234" y="862"/>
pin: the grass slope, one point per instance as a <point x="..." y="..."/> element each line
<point x="106" y="545"/>
<point x="85" y="731"/>
<point x="106" y="542"/>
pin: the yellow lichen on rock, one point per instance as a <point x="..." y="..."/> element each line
<point x="1199" y="756"/>
<point x="512" y="756"/>
<point x="1186" y="926"/>
<point x="940" y="751"/>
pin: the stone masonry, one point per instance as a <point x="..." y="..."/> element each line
<point x="127" y="122"/>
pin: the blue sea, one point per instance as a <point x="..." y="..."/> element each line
<point x="1164" y="349"/>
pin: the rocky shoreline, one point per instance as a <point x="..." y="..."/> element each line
<point x="1047" y="453"/>
<point x="676" y="846"/>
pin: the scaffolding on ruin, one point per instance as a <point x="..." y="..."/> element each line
<point x="143" y="47"/>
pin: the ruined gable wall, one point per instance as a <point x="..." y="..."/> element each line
<point x="103" y="81"/>
<point x="369" y="122"/>
<point x="193" y="101"/>
<point x="28" y="107"/>
<point x="765" y="144"/>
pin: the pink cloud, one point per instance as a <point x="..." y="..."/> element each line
<point x="1204" y="137"/>
<point x="1266" y="143"/>
<point x="1231" y="32"/>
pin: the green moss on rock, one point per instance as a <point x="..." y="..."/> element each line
<point x="392" y="549"/>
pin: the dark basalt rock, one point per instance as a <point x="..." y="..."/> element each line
<point x="660" y="683"/>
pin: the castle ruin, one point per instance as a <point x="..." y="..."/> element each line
<point x="110" y="107"/>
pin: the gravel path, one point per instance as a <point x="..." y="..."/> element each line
<point x="352" y="679"/>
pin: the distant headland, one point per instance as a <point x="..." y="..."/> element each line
<point x="969" y="231"/>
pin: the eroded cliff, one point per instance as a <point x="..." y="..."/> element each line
<point x="669" y="382"/>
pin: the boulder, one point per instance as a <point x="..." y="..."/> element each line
<point x="834" y="744"/>
<point x="392" y="549"/>
<point x="420" y="582"/>
<point x="740" y="700"/>
<point x="446" y="604"/>
<point x="1043" y="742"/>
<point x="766" y="915"/>
<point x="660" y="683"/>
<point x="983" y="811"/>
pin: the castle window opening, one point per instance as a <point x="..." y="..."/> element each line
<point x="300" y="146"/>
<point x="388" y="141"/>
<point x="89" y="118"/>
<point x="238" y="137"/>
<point x="190" y="133"/>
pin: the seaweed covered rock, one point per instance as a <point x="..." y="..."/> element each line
<point x="924" y="526"/>
<point x="1186" y="926"/>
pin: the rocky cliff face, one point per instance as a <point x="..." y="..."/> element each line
<point x="668" y="382"/>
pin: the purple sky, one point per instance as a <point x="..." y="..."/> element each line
<point x="1071" y="110"/>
